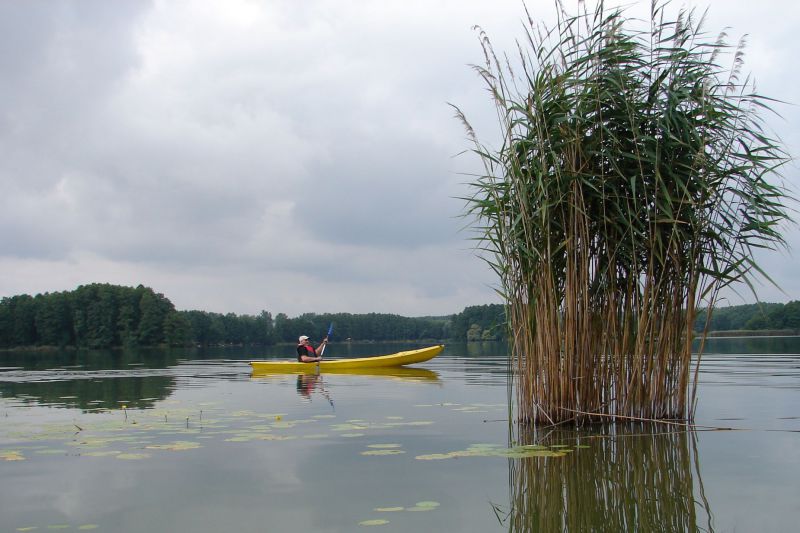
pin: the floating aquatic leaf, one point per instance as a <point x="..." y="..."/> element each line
<point x="388" y="509"/>
<point x="11" y="455"/>
<point x="352" y="435"/>
<point x="382" y="452"/>
<point x="394" y="418"/>
<point x="101" y="454"/>
<point x="133" y="456"/>
<point x="493" y="450"/>
<point x="384" y="446"/>
<point x="410" y="424"/>
<point x="417" y="509"/>
<point x="434" y="456"/>
<point x="86" y="527"/>
<point x="276" y="437"/>
<point x="432" y="505"/>
<point x="179" y="445"/>
<point x="346" y="427"/>
<point x="51" y="452"/>
<point x="29" y="528"/>
<point x="373" y="522"/>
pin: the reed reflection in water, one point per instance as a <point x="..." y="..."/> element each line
<point x="619" y="478"/>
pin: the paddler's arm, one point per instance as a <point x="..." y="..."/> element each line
<point x="319" y="348"/>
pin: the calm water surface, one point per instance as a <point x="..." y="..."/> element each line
<point x="188" y="441"/>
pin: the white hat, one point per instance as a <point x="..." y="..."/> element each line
<point x="302" y="338"/>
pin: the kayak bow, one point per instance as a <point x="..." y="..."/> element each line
<point x="381" y="361"/>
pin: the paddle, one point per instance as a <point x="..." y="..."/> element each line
<point x="328" y="336"/>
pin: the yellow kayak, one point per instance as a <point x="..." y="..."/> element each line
<point x="381" y="361"/>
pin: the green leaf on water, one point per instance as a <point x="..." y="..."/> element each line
<point x="377" y="522"/>
<point x="493" y="450"/>
<point x="133" y="456"/>
<point x="275" y="437"/>
<point x="384" y="446"/>
<point x="101" y="454"/>
<point x="430" y="504"/>
<point x="435" y="456"/>
<point x="11" y="455"/>
<point x="388" y="509"/>
<point x="383" y="452"/>
<point x="51" y="452"/>
<point x="347" y="427"/>
<point x="87" y="527"/>
<point x="176" y="446"/>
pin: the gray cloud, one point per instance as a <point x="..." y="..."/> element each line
<point x="281" y="155"/>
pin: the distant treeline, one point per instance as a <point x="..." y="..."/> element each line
<point x="104" y="316"/>
<point x="753" y="317"/>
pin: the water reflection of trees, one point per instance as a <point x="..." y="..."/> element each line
<point x="631" y="478"/>
<point x="136" y="392"/>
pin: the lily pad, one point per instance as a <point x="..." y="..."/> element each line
<point x="423" y="506"/>
<point x="491" y="450"/>
<point x="176" y="446"/>
<point x="377" y="522"/>
<point x="11" y="455"/>
<point x="388" y="509"/>
<point x="383" y="452"/>
<point x="133" y="456"/>
<point x="101" y="454"/>
<point x="431" y="504"/>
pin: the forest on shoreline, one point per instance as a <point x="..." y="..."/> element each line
<point x="100" y="315"/>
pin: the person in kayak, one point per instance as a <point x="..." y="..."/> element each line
<point x="306" y="352"/>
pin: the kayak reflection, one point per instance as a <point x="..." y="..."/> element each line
<point x="397" y="372"/>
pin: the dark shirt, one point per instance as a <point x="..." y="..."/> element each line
<point x="305" y="350"/>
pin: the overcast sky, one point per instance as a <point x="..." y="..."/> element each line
<point x="292" y="156"/>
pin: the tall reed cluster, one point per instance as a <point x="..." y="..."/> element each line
<point x="633" y="181"/>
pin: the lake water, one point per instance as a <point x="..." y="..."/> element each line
<point x="190" y="441"/>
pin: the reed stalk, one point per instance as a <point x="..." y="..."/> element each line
<point x="633" y="182"/>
